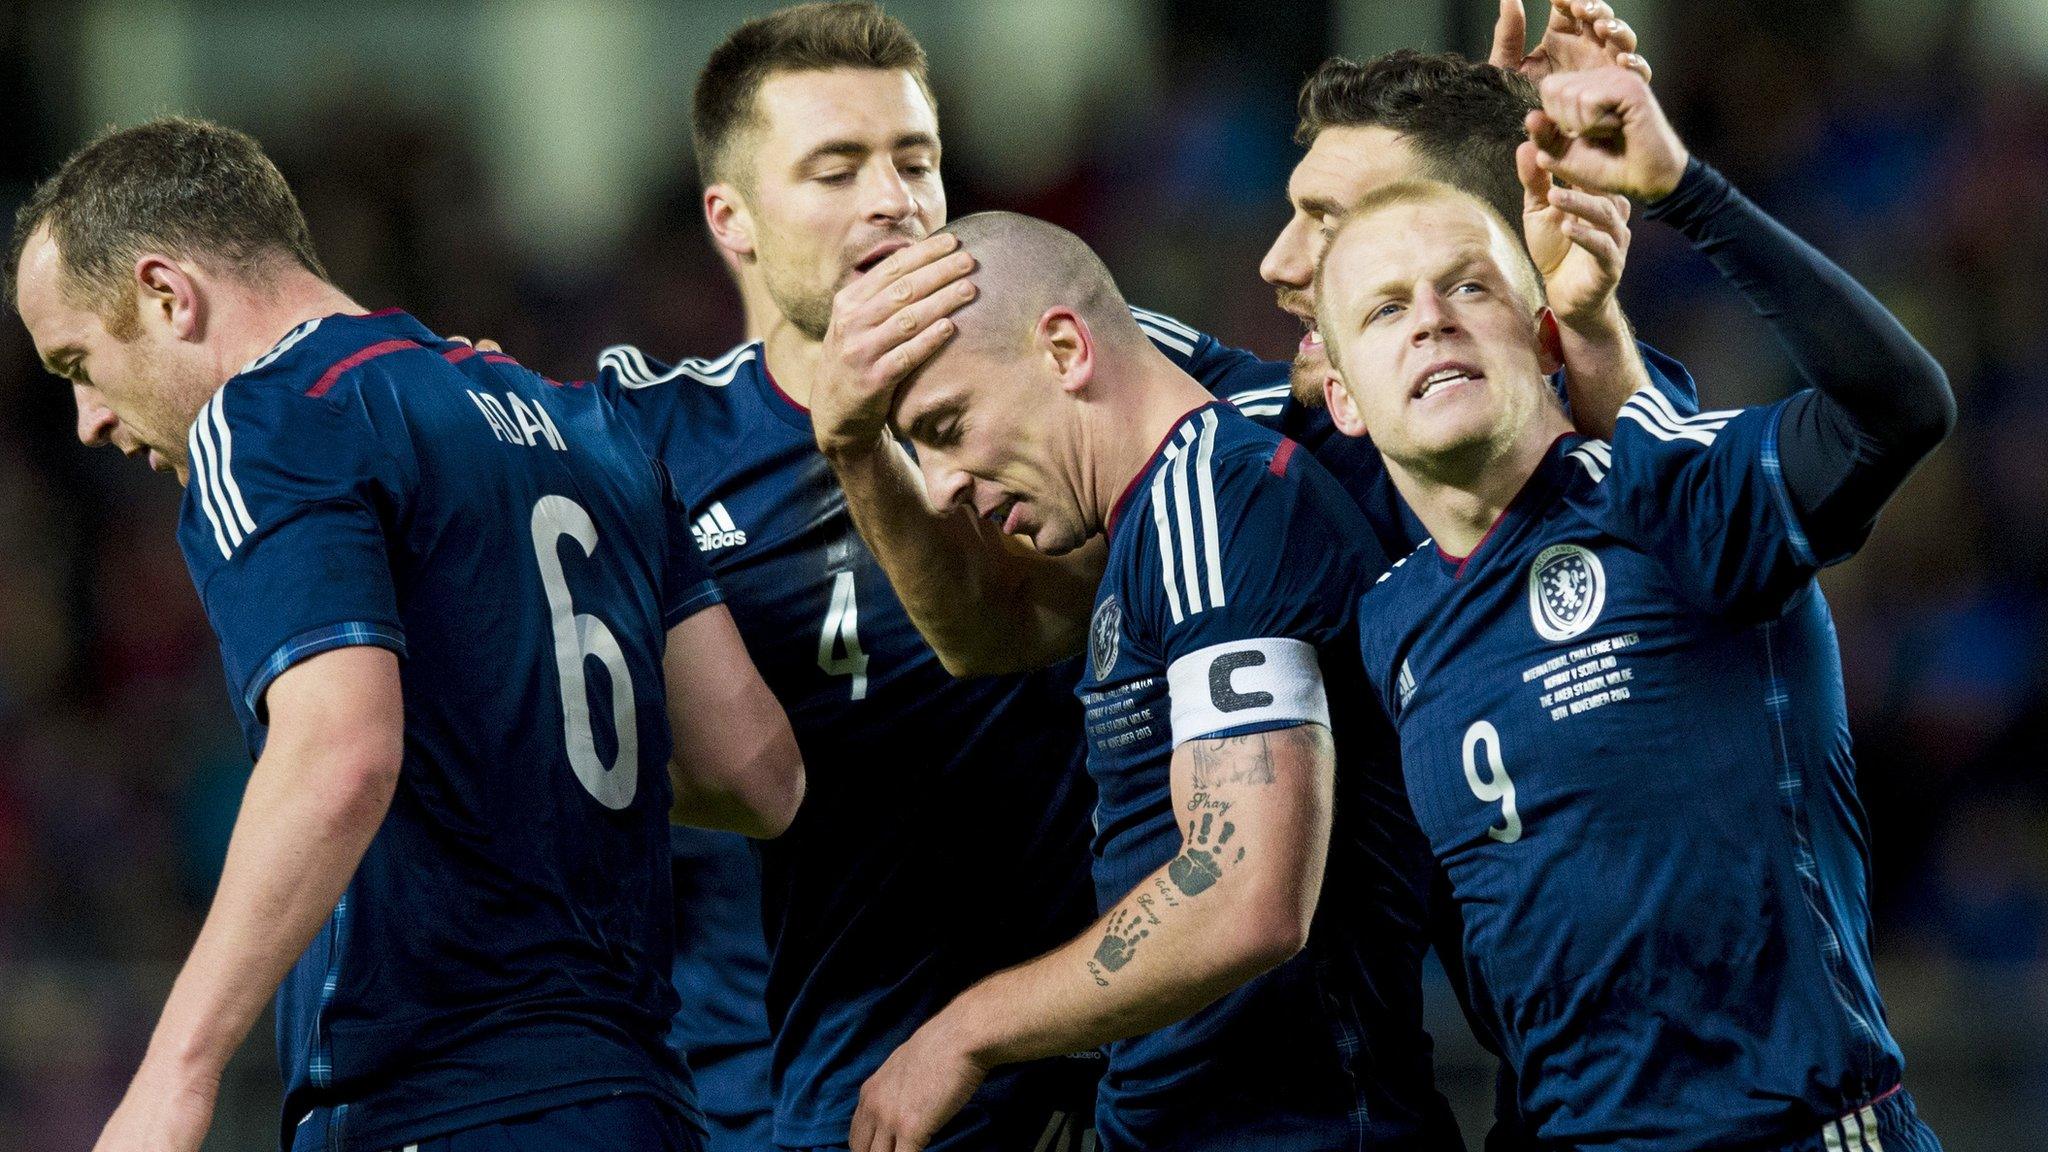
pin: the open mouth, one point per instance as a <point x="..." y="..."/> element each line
<point x="878" y="254"/>
<point x="1445" y="376"/>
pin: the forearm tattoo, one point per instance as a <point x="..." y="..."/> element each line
<point x="1213" y="845"/>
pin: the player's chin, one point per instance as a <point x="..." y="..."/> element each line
<point x="1054" y="541"/>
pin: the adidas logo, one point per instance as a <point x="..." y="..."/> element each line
<point x="715" y="530"/>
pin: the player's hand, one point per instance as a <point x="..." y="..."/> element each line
<point x="484" y="345"/>
<point x="884" y="325"/>
<point x="1581" y="35"/>
<point x="914" y="1093"/>
<point x="161" y="1112"/>
<point x="1578" y="240"/>
<point x="1603" y="131"/>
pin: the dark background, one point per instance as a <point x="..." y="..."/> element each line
<point x="521" y="170"/>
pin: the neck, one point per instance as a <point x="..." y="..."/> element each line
<point x="792" y="357"/>
<point x="1460" y="502"/>
<point x="258" y="319"/>
<point x="1126" y="426"/>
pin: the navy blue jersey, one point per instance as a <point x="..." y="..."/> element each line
<point x="503" y="947"/>
<point x="1623" y="729"/>
<point x="931" y="801"/>
<point x="1234" y="550"/>
<point x="721" y="976"/>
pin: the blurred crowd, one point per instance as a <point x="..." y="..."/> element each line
<point x="1925" y="173"/>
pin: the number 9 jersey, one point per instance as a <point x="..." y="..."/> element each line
<point x="1624" y="732"/>
<point x="503" y="947"/>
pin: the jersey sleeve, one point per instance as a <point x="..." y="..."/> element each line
<point x="1257" y="571"/>
<point x="1706" y="494"/>
<point x="1258" y="388"/>
<point x="288" y="528"/>
<point x="1671" y="378"/>
<point x="687" y="585"/>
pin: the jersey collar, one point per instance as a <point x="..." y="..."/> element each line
<point x="1116" y="510"/>
<point x="1536" y="494"/>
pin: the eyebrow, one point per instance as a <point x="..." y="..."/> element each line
<point x="1320" y="206"/>
<point x="854" y="149"/>
<point x="59" y="356"/>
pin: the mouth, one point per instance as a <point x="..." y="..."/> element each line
<point x="877" y="254"/>
<point x="1311" y="339"/>
<point x="1295" y="304"/>
<point x="1442" y="376"/>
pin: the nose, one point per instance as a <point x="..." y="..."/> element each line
<point x="96" y="421"/>
<point x="1428" y="318"/>
<point x="945" y="486"/>
<point x="1288" y="263"/>
<point x="891" y="200"/>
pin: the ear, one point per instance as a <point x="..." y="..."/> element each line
<point x="1343" y="408"/>
<point x="731" y="224"/>
<point x="1069" y="346"/>
<point x="1550" y="352"/>
<point x="168" y="293"/>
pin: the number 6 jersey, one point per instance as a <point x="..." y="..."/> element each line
<point x="503" y="947"/>
<point x="1623" y="730"/>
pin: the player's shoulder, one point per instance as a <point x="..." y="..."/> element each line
<point x="1256" y="387"/>
<point x="627" y="373"/>
<point x="1388" y="591"/>
<point x="1397" y="605"/>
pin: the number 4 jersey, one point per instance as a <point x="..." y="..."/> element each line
<point x="503" y="948"/>
<point x="1623" y="730"/>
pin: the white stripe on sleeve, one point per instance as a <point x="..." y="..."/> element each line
<point x="1162" y="336"/>
<point x="1159" y="519"/>
<point x="227" y="462"/>
<point x="1184" y="519"/>
<point x="212" y="475"/>
<point x="1205" y="486"/>
<point x="196" y="468"/>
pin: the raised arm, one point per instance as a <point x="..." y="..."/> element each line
<point x="314" y="802"/>
<point x="1236" y="901"/>
<point x="984" y="602"/>
<point x="736" y="764"/>
<point x="1880" y="401"/>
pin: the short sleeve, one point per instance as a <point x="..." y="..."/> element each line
<point x="1261" y="559"/>
<point x="687" y="587"/>
<point x="1706" y="495"/>
<point x="287" y="528"/>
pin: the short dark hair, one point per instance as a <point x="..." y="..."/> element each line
<point x="189" y="188"/>
<point x="805" y="38"/>
<point x="1463" y="119"/>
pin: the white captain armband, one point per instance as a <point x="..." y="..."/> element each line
<point x="1274" y="682"/>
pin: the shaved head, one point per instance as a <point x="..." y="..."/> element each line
<point x="1024" y="267"/>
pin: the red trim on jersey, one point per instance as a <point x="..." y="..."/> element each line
<point x="458" y="354"/>
<point x="1461" y="561"/>
<point x="382" y="312"/>
<point x="786" y="397"/>
<point x="382" y="348"/>
<point x="498" y="358"/>
<point x="1117" y="509"/>
<point x="1281" y="456"/>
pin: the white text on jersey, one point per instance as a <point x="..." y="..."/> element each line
<point x="520" y="423"/>
<point x="715" y="530"/>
